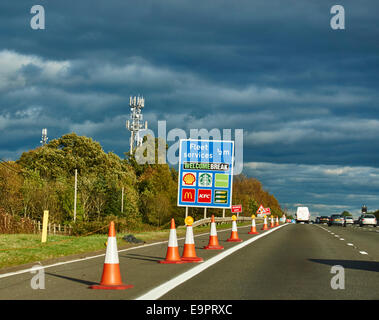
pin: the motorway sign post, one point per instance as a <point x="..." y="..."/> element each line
<point x="205" y="173"/>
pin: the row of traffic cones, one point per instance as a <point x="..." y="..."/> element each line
<point x="272" y="224"/>
<point x="189" y="253"/>
<point x="111" y="276"/>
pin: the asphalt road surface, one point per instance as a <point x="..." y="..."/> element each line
<point x="287" y="262"/>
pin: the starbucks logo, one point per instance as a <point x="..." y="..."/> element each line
<point x="205" y="179"/>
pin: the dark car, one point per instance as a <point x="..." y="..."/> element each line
<point x="336" y="219"/>
<point x="324" y="219"/>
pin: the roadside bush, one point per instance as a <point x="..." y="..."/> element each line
<point x="14" y="224"/>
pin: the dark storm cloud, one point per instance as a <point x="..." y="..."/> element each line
<point x="302" y="92"/>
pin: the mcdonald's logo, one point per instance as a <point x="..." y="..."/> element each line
<point x="188" y="195"/>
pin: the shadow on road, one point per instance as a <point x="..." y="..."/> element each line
<point x="141" y="257"/>
<point x="72" y="279"/>
<point x="351" y="264"/>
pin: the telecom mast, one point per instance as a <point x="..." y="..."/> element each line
<point x="44" y="137"/>
<point x="135" y="125"/>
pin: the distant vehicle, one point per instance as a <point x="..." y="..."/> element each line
<point x="317" y="220"/>
<point x="302" y="215"/>
<point x="367" y="219"/>
<point x="324" y="219"/>
<point x="349" y="220"/>
<point x="336" y="219"/>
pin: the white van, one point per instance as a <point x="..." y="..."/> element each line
<point x="302" y="215"/>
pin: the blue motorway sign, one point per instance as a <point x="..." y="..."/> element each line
<point x="205" y="173"/>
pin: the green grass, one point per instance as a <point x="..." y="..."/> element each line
<point x="27" y="248"/>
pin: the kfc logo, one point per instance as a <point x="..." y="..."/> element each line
<point x="204" y="196"/>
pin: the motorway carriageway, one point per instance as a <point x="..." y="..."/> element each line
<point x="293" y="261"/>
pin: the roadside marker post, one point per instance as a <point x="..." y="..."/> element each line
<point x="44" y="225"/>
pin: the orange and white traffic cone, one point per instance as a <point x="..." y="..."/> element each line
<point x="272" y="222"/>
<point x="234" y="235"/>
<point x="277" y="222"/>
<point x="265" y="227"/>
<point x="253" y="229"/>
<point x="189" y="253"/>
<point x="172" y="255"/>
<point x="213" y="240"/>
<point x="111" y="277"/>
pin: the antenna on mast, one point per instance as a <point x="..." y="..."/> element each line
<point x="135" y="124"/>
<point x="44" y="137"/>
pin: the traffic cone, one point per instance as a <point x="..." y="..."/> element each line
<point x="265" y="224"/>
<point x="213" y="240"/>
<point x="272" y="223"/>
<point x="277" y="222"/>
<point x="111" y="277"/>
<point x="234" y="235"/>
<point x="172" y="255"/>
<point x="189" y="253"/>
<point x="253" y="229"/>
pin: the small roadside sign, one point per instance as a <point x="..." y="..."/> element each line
<point x="261" y="210"/>
<point x="237" y="208"/>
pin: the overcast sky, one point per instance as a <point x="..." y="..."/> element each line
<point x="305" y="95"/>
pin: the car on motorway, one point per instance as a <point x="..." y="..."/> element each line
<point x="317" y="220"/>
<point x="336" y="219"/>
<point x="349" y="220"/>
<point x="367" y="219"/>
<point x="324" y="219"/>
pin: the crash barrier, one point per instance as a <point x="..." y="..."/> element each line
<point x="220" y="220"/>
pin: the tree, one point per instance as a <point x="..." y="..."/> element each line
<point x="346" y="214"/>
<point x="11" y="181"/>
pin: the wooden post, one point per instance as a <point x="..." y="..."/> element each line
<point x="122" y="199"/>
<point x="205" y="213"/>
<point x="44" y="227"/>
<point x="76" y="187"/>
<point x="223" y="213"/>
<point x="186" y="212"/>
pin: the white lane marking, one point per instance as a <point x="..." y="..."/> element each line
<point x="162" y="289"/>
<point x="350" y="244"/>
<point x="337" y="236"/>
<point x="342" y="239"/>
<point x="5" y="275"/>
<point x="363" y="252"/>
